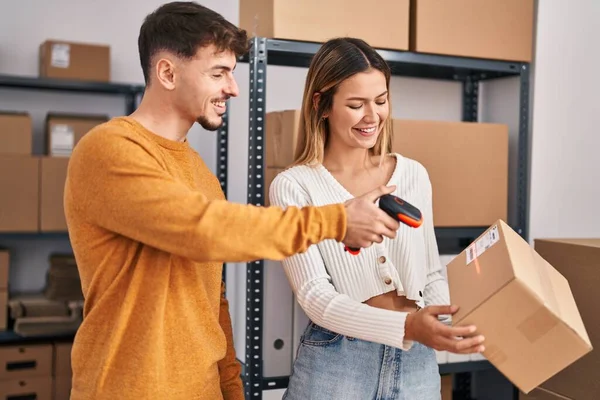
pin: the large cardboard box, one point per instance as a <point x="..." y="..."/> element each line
<point x="282" y="137"/>
<point x="467" y="164"/>
<point x="3" y="309"/>
<point x="64" y="131"/>
<point x="22" y="362"/>
<point x="53" y="175"/>
<point x="521" y="304"/>
<point x="16" y="133"/>
<point x="72" y="60"/>
<point x="31" y="388"/>
<point x="383" y="26"/>
<point x="19" y="190"/>
<point x="579" y="261"/>
<point x="474" y="28"/>
<point x="4" y="264"/>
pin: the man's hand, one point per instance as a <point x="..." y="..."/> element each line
<point x="424" y="327"/>
<point x="367" y="223"/>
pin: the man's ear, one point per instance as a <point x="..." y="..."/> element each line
<point x="165" y="73"/>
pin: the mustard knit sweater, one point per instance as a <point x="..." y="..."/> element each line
<point x="150" y="231"/>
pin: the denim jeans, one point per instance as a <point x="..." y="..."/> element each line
<point x="330" y="366"/>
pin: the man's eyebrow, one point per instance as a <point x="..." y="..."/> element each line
<point x="362" y="98"/>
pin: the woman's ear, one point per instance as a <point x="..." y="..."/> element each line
<point x="316" y="100"/>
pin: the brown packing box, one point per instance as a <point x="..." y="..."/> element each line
<point x="579" y="261"/>
<point x="447" y="387"/>
<point x="30" y="388"/>
<point x="489" y="29"/>
<point x="77" y="61"/>
<point x="63" y="131"/>
<point x="3" y="309"/>
<point x="318" y="21"/>
<point x="270" y="174"/>
<point x="21" y="362"/>
<point x="467" y="164"/>
<point x="521" y="304"/>
<point x="16" y="133"/>
<point x="282" y="136"/>
<point x="542" y="394"/>
<point x="19" y="185"/>
<point x="62" y="370"/>
<point x="53" y="175"/>
<point x="62" y="388"/>
<point x="4" y="265"/>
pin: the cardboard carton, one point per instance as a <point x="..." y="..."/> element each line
<point x="474" y="28"/>
<point x="53" y="176"/>
<point x="385" y="25"/>
<point x="521" y="304"/>
<point x="19" y="185"/>
<point x="64" y="131"/>
<point x="77" y="61"/>
<point x="281" y="138"/>
<point x="16" y="133"/>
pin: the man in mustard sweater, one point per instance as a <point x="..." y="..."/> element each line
<point x="150" y="227"/>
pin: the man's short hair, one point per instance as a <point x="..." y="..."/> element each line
<point x="182" y="28"/>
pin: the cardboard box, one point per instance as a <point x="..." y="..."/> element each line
<point x="467" y="164"/>
<point x="4" y="264"/>
<point x="542" y="394"/>
<point x="72" y="60"/>
<point x="63" y="131"/>
<point x="19" y="185"/>
<point x="30" y="388"/>
<point x="62" y="388"/>
<point x="22" y="362"/>
<point x="3" y="309"/>
<point x="16" y="133"/>
<point x="521" y="304"/>
<point x="447" y="386"/>
<point x="579" y="261"/>
<point x="62" y="359"/>
<point x="474" y="28"/>
<point x="282" y="137"/>
<point x="53" y="174"/>
<point x="384" y="26"/>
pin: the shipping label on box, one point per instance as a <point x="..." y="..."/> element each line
<point x="520" y="303"/>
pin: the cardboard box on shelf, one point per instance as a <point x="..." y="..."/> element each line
<point x="467" y="164"/>
<point x="72" y="60"/>
<point x="281" y="137"/>
<point x="490" y="29"/>
<point x="19" y="185"/>
<point x="53" y="175"/>
<point x="521" y="304"/>
<point x="4" y="268"/>
<point x="579" y="261"/>
<point x="542" y="394"/>
<point x="62" y="370"/>
<point x="28" y="361"/>
<point x="29" y="388"/>
<point x="311" y="20"/>
<point x="16" y="133"/>
<point x="63" y="131"/>
<point x="3" y="309"/>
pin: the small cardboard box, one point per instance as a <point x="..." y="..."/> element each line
<point x="521" y="304"/>
<point x="319" y="21"/>
<point x="62" y="359"/>
<point x="4" y="271"/>
<point x="53" y="175"/>
<point x="22" y="362"/>
<point x="282" y="137"/>
<point x="77" y="61"/>
<point x="30" y="388"/>
<point x="19" y="185"/>
<point x="467" y="164"/>
<point x="64" y="131"/>
<point x="16" y="133"/>
<point x="474" y="28"/>
<point x="3" y="309"/>
<point x="579" y="261"/>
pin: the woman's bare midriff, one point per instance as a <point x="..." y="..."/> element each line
<point x="391" y="301"/>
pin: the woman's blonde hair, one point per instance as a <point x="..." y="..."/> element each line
<point x="337" y="60"/>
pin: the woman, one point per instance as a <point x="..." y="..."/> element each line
<point x="373" y="327"/>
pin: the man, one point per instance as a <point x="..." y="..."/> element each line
<point x="150" y="227"/>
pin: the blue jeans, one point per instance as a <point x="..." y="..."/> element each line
<point x="330" y="366"/>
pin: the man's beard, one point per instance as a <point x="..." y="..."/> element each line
<point x="208" y="125"/>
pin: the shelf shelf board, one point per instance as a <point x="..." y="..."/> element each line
<point x="64" y="85"/>
<point x="10" y="337"/>
<point x="34" y="236"/>
<point x="405" y="63"/>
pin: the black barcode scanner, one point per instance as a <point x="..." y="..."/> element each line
<point x="398" y="209"/>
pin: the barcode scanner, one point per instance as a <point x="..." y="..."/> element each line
<point x="398" y="209"/>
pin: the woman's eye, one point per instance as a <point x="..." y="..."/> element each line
<point x="355" y="107"/>
<point x="380" y="103"/>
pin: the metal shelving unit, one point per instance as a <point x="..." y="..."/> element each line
<point x="469" y="71"/>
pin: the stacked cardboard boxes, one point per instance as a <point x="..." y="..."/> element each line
<point x="469" y="28"/>
<point x="4" y="272"/>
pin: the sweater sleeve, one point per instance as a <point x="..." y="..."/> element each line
<point x="230" y="369"/>
<point x="319" y="299"/>
<point x="119" y="184"/>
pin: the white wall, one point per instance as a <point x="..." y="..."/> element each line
<point x="565" y="181"/>
<point x="565" y="109"/>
